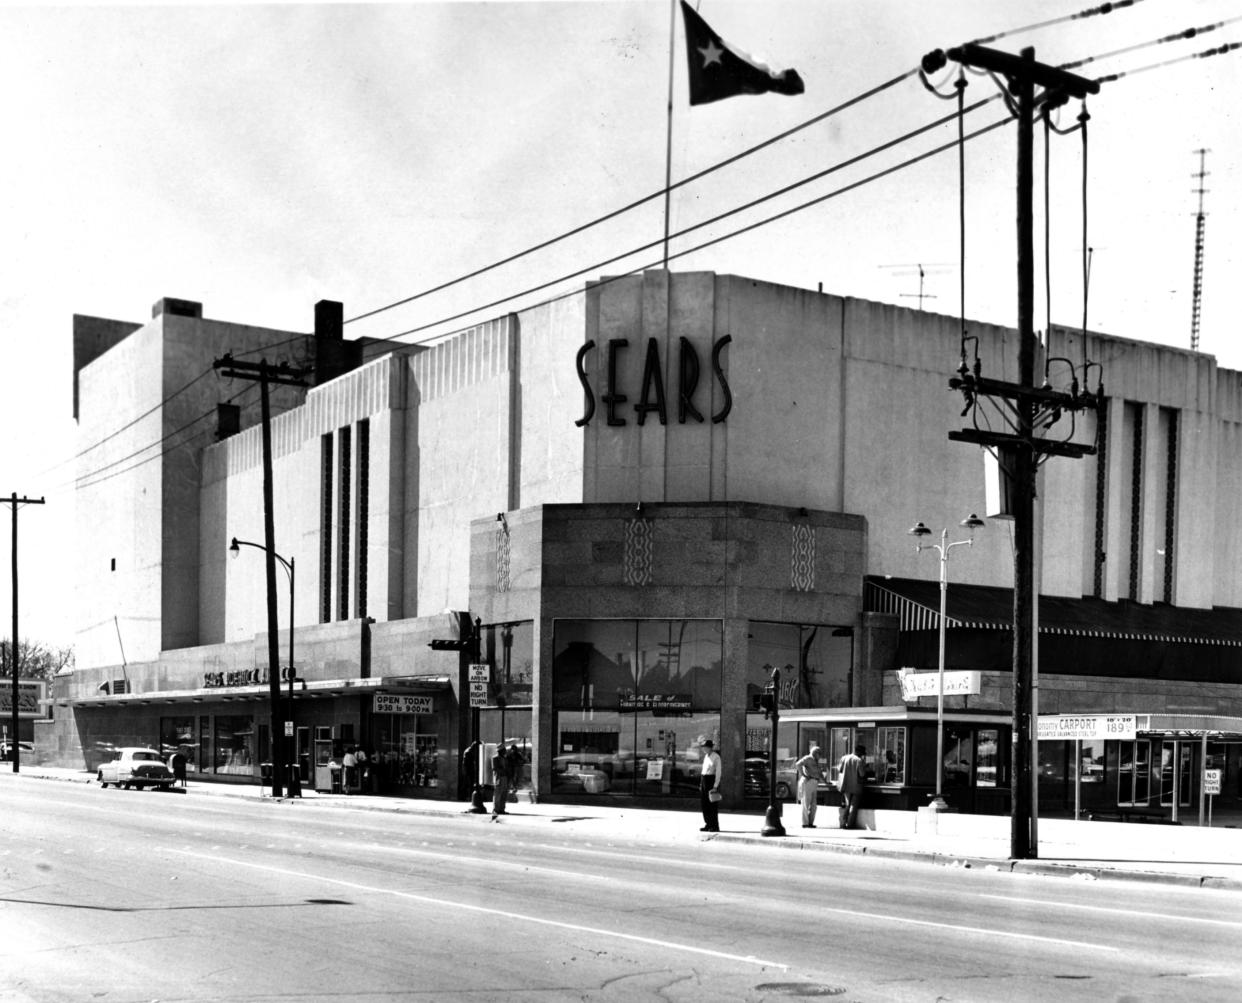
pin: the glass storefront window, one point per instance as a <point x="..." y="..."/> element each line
<point x="235" y="745"/>
<point x="1091" y="762"/>
<point x="758" y="763"/>
<point x="987" y="760"/>
<point x="509" y="650"/>
<point x="206" y="760"/>
<point x="890" y="755"/>
<point x="814" y="663"/>
<point x="633" y="700"/>
<point x="958" y="753"/>
<point x="634" y="753"/>
<point x="840" y="742"/>
<point x="407" y="751"/>
<point x="634" y="665"/>
<point x="177" y="735"/>
<point x="510" y="726"/>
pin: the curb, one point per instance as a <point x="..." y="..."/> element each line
<point x="1046" y="868"/>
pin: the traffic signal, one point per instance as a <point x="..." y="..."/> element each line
<point x="460" y="628"/>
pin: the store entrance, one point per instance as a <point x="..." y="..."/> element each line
<point x="408" y="755"/>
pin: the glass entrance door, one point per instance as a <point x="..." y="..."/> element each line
<point x="1183" y="752"/>
<point x="1134" y="772"/>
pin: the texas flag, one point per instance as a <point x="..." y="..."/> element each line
<point x="719" y="71"/>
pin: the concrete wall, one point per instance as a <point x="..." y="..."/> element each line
<point x="147" y="410"/>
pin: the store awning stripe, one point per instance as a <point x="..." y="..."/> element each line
<point x="977" y="607"/>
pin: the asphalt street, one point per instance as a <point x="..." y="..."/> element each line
<point x="127" y="895"/>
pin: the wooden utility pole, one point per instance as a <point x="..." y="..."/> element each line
<point x="15" y="747"/>
<point x="1029" y="406"/>
<point x="286" y="376"/>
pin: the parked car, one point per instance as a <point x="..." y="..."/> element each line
<point x="25" y="748"/>
<point x="136" y="767"/>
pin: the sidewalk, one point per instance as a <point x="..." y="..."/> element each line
<point x="1183" y="855"/>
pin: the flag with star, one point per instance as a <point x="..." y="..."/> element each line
<point x="718" y="71"/>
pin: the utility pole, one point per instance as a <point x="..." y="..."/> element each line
<point x="15" y="746"/>
<point x="1028" y="407"/>
<point x="281" y="375"/>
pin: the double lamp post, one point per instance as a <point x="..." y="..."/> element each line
<point x="919" y="532"/>
<point x="295" y="780"/>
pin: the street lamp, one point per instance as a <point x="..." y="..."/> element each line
<point x="295" y="781"/>
<point x="919" y="531"/>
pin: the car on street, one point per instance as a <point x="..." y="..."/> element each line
<point x="135" y="767"/>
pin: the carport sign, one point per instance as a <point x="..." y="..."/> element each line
<point x="1086" y="727"/>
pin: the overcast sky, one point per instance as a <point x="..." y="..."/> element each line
<point x="260" y="158"/>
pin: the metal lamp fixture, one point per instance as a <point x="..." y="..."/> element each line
<point x="919" y="531"/>
<point x="295" y="784"/>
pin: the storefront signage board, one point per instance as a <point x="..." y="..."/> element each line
<point x="927" y="684"/>
<point x="1086" y="727"/>
<point x="655" y="701"/>
<point x="401" y="703"/>
<point x="29" y="693"/>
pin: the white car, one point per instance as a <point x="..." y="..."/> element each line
<point x="136" y="767"/>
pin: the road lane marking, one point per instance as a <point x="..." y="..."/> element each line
<point x="1163" y="916"/>
<point x="488" y="910"/>
<point x="889" y="918"/>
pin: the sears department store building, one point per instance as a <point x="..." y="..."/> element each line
<point x="648" y="495"/>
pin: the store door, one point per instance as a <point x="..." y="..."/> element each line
<point x="1176" y="784"/>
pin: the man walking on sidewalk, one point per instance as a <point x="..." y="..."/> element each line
<point x="849" y="783"/>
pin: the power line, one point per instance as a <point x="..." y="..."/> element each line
<point x="536" y="288"/>
<point x="698" y="247"/>
<point x="872" y="92"/>
<point x="642" y="201"/>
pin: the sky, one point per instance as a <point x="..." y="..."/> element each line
<point x="259" y="158"/>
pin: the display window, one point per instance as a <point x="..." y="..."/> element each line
<point x="235" y="745"/>
<point x="633" y="754"/>
<point x="814" y="661"/>
<point x="177" y="734"/>
<point x="669" y="666"/>
<point x="511" y="727"/>
<point x="509" y="651"/>
<point x="408" y="752"/>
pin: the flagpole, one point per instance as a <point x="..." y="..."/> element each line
<point x="668" y="155"/>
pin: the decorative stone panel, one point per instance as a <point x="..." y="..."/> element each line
<point x="638" y="551"/>
<point x="502" y="557"/>
<point x="802" y="558"/>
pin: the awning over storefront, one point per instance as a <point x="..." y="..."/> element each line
<point x="1084" y="636"/>
<point x="303" y="689"/>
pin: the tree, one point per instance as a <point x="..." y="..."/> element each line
<point x="38" y="660"/>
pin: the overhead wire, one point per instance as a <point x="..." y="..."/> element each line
<point x="849" y="162"/>
<point x="857" y="99"/>
<point x="445" y="320"/>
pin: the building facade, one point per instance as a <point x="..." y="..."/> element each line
<point x="647" y="497"/>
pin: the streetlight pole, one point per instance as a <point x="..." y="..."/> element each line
<point x="295" y="781"/>
<point x="943" y="547"/>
